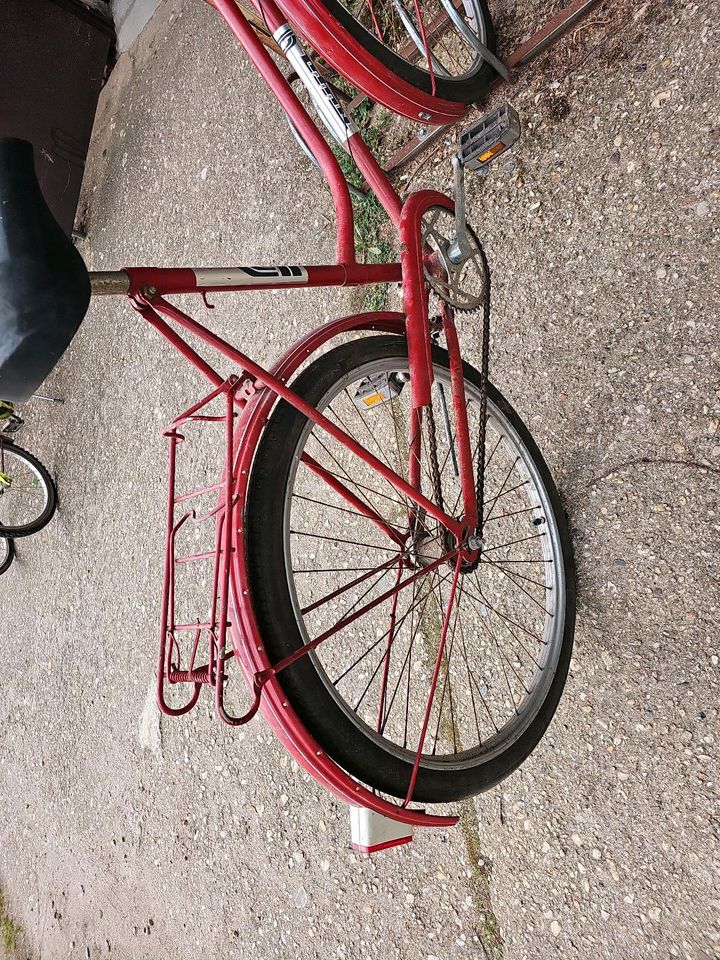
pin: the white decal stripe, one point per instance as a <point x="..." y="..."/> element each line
<point x="328" y="106"/>
<point x="250" y="276"/>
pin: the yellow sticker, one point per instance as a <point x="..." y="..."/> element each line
<point x="491" y="152"/>
<point x="372" y="399"/>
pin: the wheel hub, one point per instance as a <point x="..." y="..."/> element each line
<point x="427" y="548"/>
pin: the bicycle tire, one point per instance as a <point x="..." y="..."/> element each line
<point x="30" y="528"/>
<point x="467" y="89"/>
<point x="7" y="553"/>
<point x="302" y="683"/>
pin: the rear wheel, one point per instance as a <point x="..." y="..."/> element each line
<point x="394" y="33"/>
<point x="27" y="493"/>
<point x="7" y="553"/>
<point x="318" y="564"/>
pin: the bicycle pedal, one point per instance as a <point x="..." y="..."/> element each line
<point x="374" y="390"/>
<point x="489" y="138"/>
<point x="12" y="424"/>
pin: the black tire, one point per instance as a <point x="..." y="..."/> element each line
<point x="467" y="89"/>
<point x="7" y="553"/>
<point x="363" y="757"/>
<point x="27" y="529"/>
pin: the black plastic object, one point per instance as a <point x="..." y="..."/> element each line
<point x="53" y="57"/>
<point x="44" y="286"/>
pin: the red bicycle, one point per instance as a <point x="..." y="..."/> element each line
<point x="389" y="560"/>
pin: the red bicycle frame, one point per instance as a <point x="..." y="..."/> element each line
<point x="251" y="395"/>
<point x="148" y="286"/>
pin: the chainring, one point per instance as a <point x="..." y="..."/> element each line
<point x="464" y="285"/>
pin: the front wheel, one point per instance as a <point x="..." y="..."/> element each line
<point x="318" y="564"/>
<point x="27" y="493"/>
<point x="401" y="34"/>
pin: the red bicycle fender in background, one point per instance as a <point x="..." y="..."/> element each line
<point x="352" y="61"/>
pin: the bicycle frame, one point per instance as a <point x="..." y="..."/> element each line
<point x="252" y="395"/>
<point x="149" y="286"/>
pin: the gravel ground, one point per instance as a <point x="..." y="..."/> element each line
<point x="129" y="836"/>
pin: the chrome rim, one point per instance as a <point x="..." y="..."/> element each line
<point x="507" y="625"/>
<point x="24" y="495"/>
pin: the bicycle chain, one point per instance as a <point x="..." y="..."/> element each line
<point x="484" y="379"/>
<point x="434" y="464"/>
<point x="484" y="370"/>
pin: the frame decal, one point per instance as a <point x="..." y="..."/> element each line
<point x="328" y="106"/>
<point x="250" y="276"/>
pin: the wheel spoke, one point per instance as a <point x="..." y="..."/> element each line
<point x="379" y="640"/>
<point x="481" y="599"/>
<point x="355" y="543"/>
<point x="510" y="543"/>
<point x="348" y="586"/>
<point x="381" y="455"/>
<point x="391" y="637"/>
<point x="408" y="657"/>
<point x="433" y="682"/>
<point x="433" y="658"/>
<point x="446" y="681"/>
<point x="513" y="513"/>
<point x="470" y="684"/>
<point x="334" y="506"/>
<point x="520" y="587"/>
<point x="345" y="475"/>
<point x="366" y="489"/>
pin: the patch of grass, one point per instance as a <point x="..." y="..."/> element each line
<point x="489" y="929"/>
<point x="368" y="213"/>
<point x="9" y="930"/>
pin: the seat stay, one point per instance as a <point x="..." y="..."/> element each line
<point x="155" y="308"/>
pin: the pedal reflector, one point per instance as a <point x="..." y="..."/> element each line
<point x="490" y="137"/>
<point x="374" y="390"/>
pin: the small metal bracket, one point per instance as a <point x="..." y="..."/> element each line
<point x="248" y="387"/>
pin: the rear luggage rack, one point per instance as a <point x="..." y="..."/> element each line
<point x="182" y="643"/>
